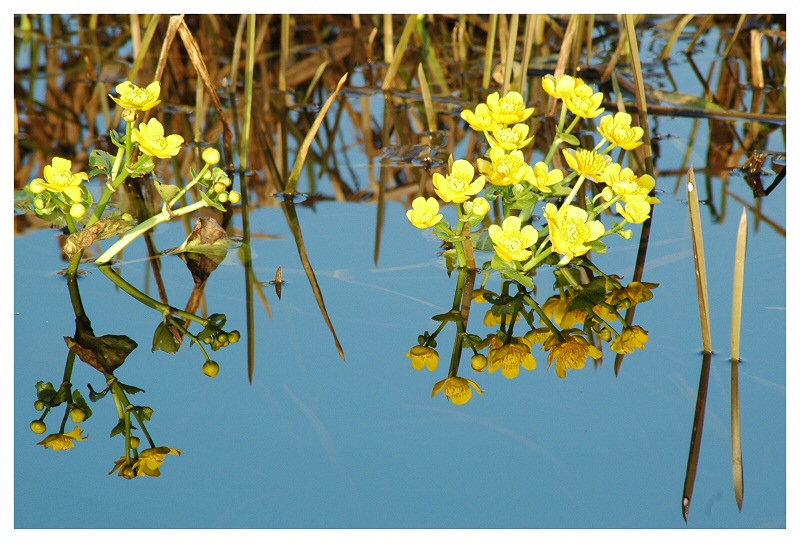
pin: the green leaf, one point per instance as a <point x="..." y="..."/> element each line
<point x="167" y="192"/>
<point x="116" y="139"/>
<point x="130" y="389"/>
<point x="101" y="163"/>
<point x="442" y="230"/>
<point x="454" y="315"/>
<point x="95" y="396"/>
<point x="597" y="246"/>
<point x="118" y="429"/>
<point x="570" y="139"/>
<point x="211" y="203"/>
<point x="45" y="391"/>
<point x="80" y="401"/>
<point x="143" y="411"/>
<point x="143" y="169"/>
<point x="590" y="295"/>
<point x="164" y="339"/>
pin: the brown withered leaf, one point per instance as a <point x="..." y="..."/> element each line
<point x="104" y="353"/>
<point x="102" y="229"/>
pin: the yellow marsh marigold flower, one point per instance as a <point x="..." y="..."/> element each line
<point x="64" y="442"/>
<point x="571" y="229"/>
<point x="422" y="356"/>
<point x="137" y="98"/>
<point x="538" y="335"/>
<point x="480" y="120"/>
<point x="631" y="338"/>
<point x="457" y="389"/>
<point x="491" y="320"/>
<point x="510" y="138"/>
<point x="510" y="109"/>
<point x="628" y="185"/>
<point x="571" y="354"/>
<point x="584" y="102"/>
<point x="152" y="142"/>
<point x="150" y="461"/>
<point x="510" y="357"/>
<point x="560" y="87"/>
<point x="424" y="213"/>
<point x="636" y="292"/>
<point x="543" y="178"/>
<point x="635" y="211"/>
<point x="58" y="177"/>
<point x="513" y="240"/>
<point x="587" y="163"/>
<point x="458" y="185"/>
<point x="505" y="168"/>
<point x="617" y="129"/>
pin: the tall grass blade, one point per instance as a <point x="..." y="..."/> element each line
<point x="430" y="114"/>
<point x="510" y="51"/>
<point x="699" y="260"/>
<point x="249" y="276"/>
<point x="489" y="52"/>
<point x="697" y="435"/>
<point x="294" y="225"/>
<point x="399" y="51"/>
<point x="302" y="153"/>
<point x="736" y="327"/>
<point x="676" y="34"/>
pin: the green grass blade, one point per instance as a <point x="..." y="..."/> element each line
<point x="399" y="51"/>
<point x="489" y="51"/>
<point x="430" y="114"/>
<point x="699" y="260"/>
<point x="736" y="327"/>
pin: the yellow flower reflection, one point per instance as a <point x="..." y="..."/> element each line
<point x="65" y="442"/>
<point x="571" y="229"/>
<point x="631" y="338"/>
<point x="423" y="357"/>
<point x="510" y="109"/>
<point x="571" y="354"/>
<point x="544" y="178"/>
<point x="505" y="168"/>
<point x="479" y="120"/>
<point x="152" y="142"/>
<point x="510" y="138"/>
<point x="584" y="102"/>
<point x="617" y="129"/>
<point x="150" y="461"/>
<point x="587" y="162"/>
<point x="424" y="213"/>
<point x="557" y="308"/>
<point x="137" y="98"/>
<point x="458" y="186"/>
<point x="510" y="357"/>
<point x="512" y="241"/>
<point x="58" y="177"/>
<point x="457" y="389"/>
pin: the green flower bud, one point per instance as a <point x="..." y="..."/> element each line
<point x="127" y="472"/>
<point x="208" y="175"/>
<point x="480" y="206"/>
<point x="38" y="203"/>
<point x="38" y="427"/>
<point x="625" y="234"/>
<point x="37" y="186"/>
<point x="479" y="362"/>
<point x="135" y="442"/>
<point x="234" y="336"/>
<point x="219" y="187"/>
<point x="129" y="115"/>
<point x="605" y="334"/>
<point x="126" y="216"/>
<point x="223" y="197"/>
<point x="211" y="156"/>
<point x="211" y="368"/>
<point x="77" y="414"/>
<point x="234" y="197"/>
<point x="39" y="405"/>
<point x="222" y="337"/>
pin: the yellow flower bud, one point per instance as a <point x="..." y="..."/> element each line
<point x="234" y="197"/>
<point x="78" y="415"/>
<point x="77" y="210"/>
<point x="39" y="405"/>
<point x="219" y="187"/>
<point x="626" y="234"/>
<point x="480" y="206"/>
<point x="37" y="186"/>
<point x="38" y="203"/>
<point x="135" y="442"/>
<point x="211" y="156"/>
<point x="234" y="336"/>
<point x="222" y="338"/>
<point x="211" y="368"/>
<point x="479" y="362"/>
<point x="129" y="115"/>
<point x="38" y="427"/>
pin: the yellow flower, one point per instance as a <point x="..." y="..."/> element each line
<point x="457" y="389"/>
<point x="422" y="356"/>
<point x="588" y="163"/>
<point x="538" y="335"/>
<point x="510" y="109"/>
<point x="570" y="229"/>
<point x="424" y="213"/>
<point x="636" y="292"/>
<point x="628" y="185"/>
<point x="584" y="102"/>
<point x="571" y="354"/>
<point x="58" y="177"/>
<point x="617" y="129"/>
<point x="124" y="467"/>
<point x="150" y="461"/>
<point x="543" y="178"/>
<point x="512" y="242"/>
<point x="480" y="206"/>
<point x="480" y="120"/>
<point x="635" y="211"/>
<point x="510" y="357"/>
<point x="458" y="186"/>
<point x="630" y="338"/>
<point x="560" y="87"/>
<point x="137" y="98"/>
<point x="152" y="142"/>
<point x="491" y="320"/>
<point x="505" y="167"/>
<point x="64" y="442"/>
<point x="510" y="138"/>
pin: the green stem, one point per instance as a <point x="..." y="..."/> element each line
<point x="192" y="183"/>
<point x="142" y="227"/>
<point x="573" y="193"/>
<point x="115" y="183"/>
<point x="462" y="259"/>
<point x="545" y="319"/>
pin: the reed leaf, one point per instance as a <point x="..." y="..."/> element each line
<point x="302" y="153"/>
<point x="489" y="51"/>
<point x="676" y="34"/>
<point x="399" y="51"/>
<point x="736" y="326"/>
<point x="699" y="260"/>
<point x="430" y="114"/>
<point x="243" y="152"/>
<point x="510" y="51"/>
<point x="697" y="436"/>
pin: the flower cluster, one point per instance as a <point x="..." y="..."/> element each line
<point x="538" y="221"/>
